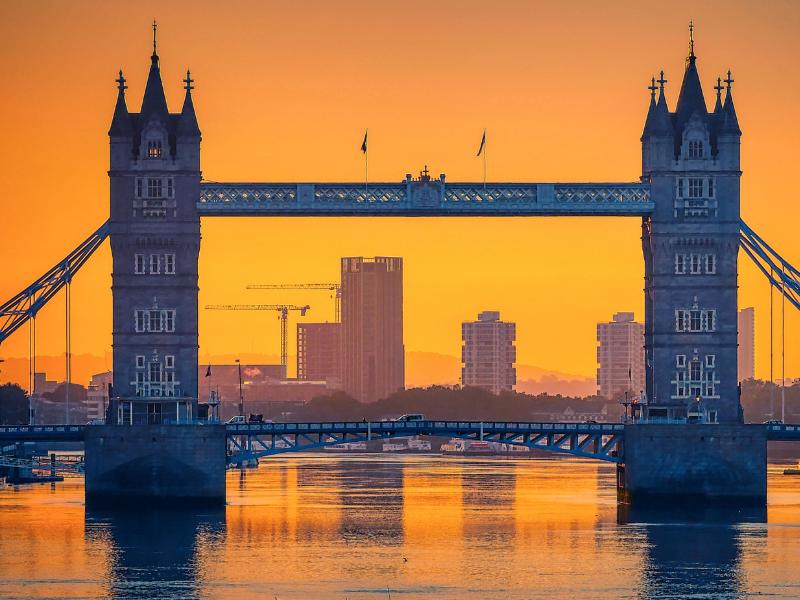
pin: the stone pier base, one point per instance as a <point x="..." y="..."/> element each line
<point x="725" y="463"/>
<point x="155" y="464"/>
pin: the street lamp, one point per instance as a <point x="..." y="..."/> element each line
<point x="241" y="395"/>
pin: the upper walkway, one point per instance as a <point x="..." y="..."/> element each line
<point x="430" y="197"/>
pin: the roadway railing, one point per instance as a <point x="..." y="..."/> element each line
<point x="428" y="427"/>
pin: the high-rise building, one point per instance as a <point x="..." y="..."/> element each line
<point x="620" y="357"/>
<point x="747" y="343"/>
<point x="489" y="353"/>
<point x="319" y="352"/>
<point x="373" y="361"/>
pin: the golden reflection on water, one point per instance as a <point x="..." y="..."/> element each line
<point x="423" y="526"/>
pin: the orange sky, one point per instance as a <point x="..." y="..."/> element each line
<point x="284" y="92"/>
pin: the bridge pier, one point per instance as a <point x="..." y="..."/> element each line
<point x="155" y="465"/>
<point x="668" y="463"/>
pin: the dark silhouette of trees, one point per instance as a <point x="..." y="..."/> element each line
<point x="13" y="405"/>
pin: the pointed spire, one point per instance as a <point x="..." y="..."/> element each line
<point x="121" y="121"/>
<point x="154" y="103"/>
<point x="187" y="124"/>
<point x="730" y="122"/>
<point x="690" y="98"/>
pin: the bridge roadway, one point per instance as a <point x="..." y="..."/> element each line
<point x="602" y="441"/>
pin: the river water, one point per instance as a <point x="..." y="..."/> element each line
<point x="402" y="527"/>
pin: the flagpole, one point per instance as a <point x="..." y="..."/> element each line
<point x="366" y="160"/>
<point x="485" y="145"/>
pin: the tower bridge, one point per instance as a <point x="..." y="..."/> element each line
<point x="687" y="197"/>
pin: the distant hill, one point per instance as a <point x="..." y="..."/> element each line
<point x="423" y="369"/>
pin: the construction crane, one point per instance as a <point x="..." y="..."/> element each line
<point x="331" y="287"/>
<point x="283" y="309"/>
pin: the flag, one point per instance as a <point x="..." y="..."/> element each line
<point x="208" y="371"/>
<point x="483" y="143"/>
<point x="364" y="143"/>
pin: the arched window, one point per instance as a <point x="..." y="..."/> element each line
<point x="695" y="149"/>
<point x="154" y="149"/>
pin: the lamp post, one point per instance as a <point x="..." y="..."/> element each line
<point x="241" y="395"/>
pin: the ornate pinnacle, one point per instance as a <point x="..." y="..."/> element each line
<point x="188" y="81"/>
<point x="718" y="87"/>
<point x="121" y="82"/>
<point x="652" y="87"/>
<point x="729" y="80"/>
<point x="661" y="81"/>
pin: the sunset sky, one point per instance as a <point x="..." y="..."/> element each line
<point x="284" y="91"/>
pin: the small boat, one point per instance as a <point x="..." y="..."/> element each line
<point x="792" y="470"/>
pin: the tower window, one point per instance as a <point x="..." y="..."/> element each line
<point x="140" y="361"/>
<point x="140" y="321"/>
<point x="695" y="267"/>
<point x="154" y="149"/>
<point x="139" y="264"/>
<point x="680" y="264"/>
<point x="154" y="187"/>
<point x="711" y="264"/>
<point x="169" y="264"/>
<point x="695" y="187"/>
<point x="154" y="264"/>
<point x="695" y="149"/>
<point x="169" y="361"/>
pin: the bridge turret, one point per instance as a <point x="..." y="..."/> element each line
<point x="690" y="159"/>
<point x="188" y="131"/>
<point x="155" y="243"/>
<point x="728" y="133"/>
<point x="121" y="130"/>
<point x="657" y="137"/>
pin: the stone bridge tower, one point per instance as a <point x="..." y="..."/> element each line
<point x="155" y="243"/>
<point x="690" y="157"/>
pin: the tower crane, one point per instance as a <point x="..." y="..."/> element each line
<point x="332" y="287"/>
<point x="283" y="309"/>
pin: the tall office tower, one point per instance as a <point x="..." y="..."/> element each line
<point x="747" y="343"/>
<point x="620" y="357"/>
<point x="489" y="353"/>
<point x="373" y="361"/>
<point x="319" y="352"/>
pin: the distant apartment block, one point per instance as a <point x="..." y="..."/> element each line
<point x="373" y="361"/>
<point x="747" y="343"/>
<point x="97" y="395"/>
<point x="319" y="352"/>
<point x="488" y="353"/>
<point x="620" y="357"/>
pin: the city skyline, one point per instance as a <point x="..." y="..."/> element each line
<point x="394" y="150"/>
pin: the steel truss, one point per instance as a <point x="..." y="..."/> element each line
<point x="600" y="441"/>
<point x="26" y="304"/>
<point x="778" y="271"/>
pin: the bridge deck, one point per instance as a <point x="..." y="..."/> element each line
<point x="429" y="198"/>
<point x="319" y="434"/>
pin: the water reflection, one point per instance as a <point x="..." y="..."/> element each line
<point x="443" y="528"/>
<point x="156" y="553"/>
<point x="693" y="550"/>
